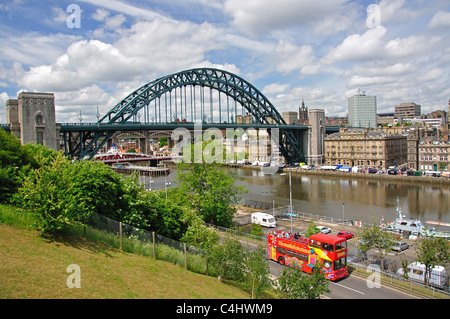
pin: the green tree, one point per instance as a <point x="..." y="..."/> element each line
<point x="45" y="192"/>
<point x="197" y="233"/>
<point x="61" y="192"/>
<point x="375" y="237"/>
<point x="163" y="141"/>
<point x="210" y="191"/>
<point x="257" y="230"/>
<point x="227" y="259"/>
<point x="15" y="163"/>
<point x="151" y="211"/>
<point x="294" y="284"/>
<point x="312" y="229"/>
<point x="256" y="274"/>
<point x="432" y="252"/>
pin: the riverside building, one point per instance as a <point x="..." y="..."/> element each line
<point x="365" y="148"/>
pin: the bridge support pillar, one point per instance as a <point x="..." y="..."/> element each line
<point x="32" y="119"/>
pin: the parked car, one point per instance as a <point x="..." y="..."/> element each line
<point x="345" y="234"/>
<point x="324" y="229"/>
<point x="393" y="172"/>
<point x="400" y="246"/>
<point x="372" y="170"/>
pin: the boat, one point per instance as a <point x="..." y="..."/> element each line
<point x="413" y="227"/>
<point x="404" y="225"/>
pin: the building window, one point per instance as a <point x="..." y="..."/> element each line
<point x="40" y="138"/>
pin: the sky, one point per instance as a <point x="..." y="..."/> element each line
<point x="91" y="54"/>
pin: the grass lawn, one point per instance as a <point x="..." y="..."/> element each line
<point x="32" y="266"/>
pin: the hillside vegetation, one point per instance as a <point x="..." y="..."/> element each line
<point x="33" y="266"/>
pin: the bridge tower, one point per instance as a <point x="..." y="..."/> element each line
<point x="32" y="119"/>
<point x="316" y="137"/>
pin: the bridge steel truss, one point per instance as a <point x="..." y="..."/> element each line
<point x="84" y="141"/>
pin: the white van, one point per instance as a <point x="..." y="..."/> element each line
<point x="416" y="272"/>
<point x="264" y="219"/>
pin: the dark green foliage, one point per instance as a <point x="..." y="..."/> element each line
<point x="294" y="284"/>
<point x="210" y="191"/>
<point x="228" y="259"/>
<point x="15" y="162"/>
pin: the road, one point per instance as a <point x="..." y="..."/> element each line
<point x="352" y="287"/>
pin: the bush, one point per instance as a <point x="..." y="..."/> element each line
<point x="60" y="192"/>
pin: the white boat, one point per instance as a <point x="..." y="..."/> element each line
<point x="414" y="227"/>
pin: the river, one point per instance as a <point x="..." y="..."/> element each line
<point x="341" y="197"/>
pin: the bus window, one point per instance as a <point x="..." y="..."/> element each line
<point x="342" y="245"/>
<point x="302" y="257"/>
<point x="282" y="250"/>
<point x="340" y="263"/>
<point x="291" y="253"/>
<point x="316" y="243"/>
<point x="327" y="247"/>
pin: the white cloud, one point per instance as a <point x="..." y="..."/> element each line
<point x="440" y="19"/>
<point x="100" y="14"/>
<point x="125" y="8"/>
<point x="358" y="47"/>
<point x="34" y="48"/>
<point x="288" y="57"/>
<point x="84" y="63"/>
<point x="394" y="11"/>
<point x="115" y="22"/>
<point x="258" y="17"/>
<point x="275" y="88"/>
<point x="59" y="15"/>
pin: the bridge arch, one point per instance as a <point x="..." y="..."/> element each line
<point x="144" y="105"/>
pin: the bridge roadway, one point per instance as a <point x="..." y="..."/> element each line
<point x="136" y="126"/>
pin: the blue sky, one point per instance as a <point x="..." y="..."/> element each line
<point x="321" y="52"/>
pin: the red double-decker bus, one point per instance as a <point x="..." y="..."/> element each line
<point x="304" y="253"/>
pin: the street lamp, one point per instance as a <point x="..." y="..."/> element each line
<point x="165" y="181"/>
<point x="343" y="212"/>
<point x="290" y="197"/>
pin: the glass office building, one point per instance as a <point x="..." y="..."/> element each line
<point x="362" y="111"/>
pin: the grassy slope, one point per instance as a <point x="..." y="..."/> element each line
<point x="35" y="267"/>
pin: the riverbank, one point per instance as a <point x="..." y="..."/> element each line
<point x="361" y="176"/>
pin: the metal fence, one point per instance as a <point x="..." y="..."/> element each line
<point x="388" y="268"/>
<point x="281" y="212"/>
<point x="133" y="239"/>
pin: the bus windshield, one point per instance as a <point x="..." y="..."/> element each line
<point x="340" y="263"/>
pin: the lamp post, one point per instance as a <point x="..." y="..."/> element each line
<point x="343" y="212"/>
<point x="290" y="197"/>
<point x="165" y="180"/>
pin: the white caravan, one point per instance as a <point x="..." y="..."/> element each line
<point x="264" y="219"/>
<point x="416" y="272"/>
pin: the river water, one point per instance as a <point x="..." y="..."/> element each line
<point x="341" y="197"/>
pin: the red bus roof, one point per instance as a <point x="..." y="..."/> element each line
<point x="324" y="238"/>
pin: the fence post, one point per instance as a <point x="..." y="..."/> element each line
<point x="185" y="256"/>
<point x="121" y="235"/>
<point x="154" y="245"/>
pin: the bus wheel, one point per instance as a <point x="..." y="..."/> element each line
<point x="281" y="260"/>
